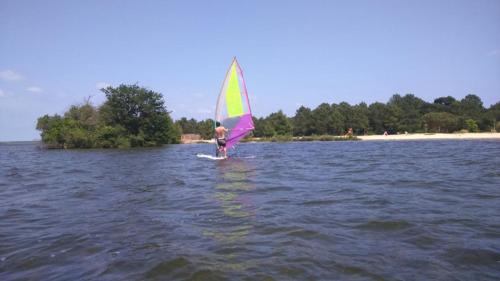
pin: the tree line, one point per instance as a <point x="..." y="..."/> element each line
<point x="400" y="114"/>
<point x="134" y="116"/>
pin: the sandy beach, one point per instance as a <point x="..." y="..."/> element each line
<point x="457" y="136"/>
<point x="403" y="137"/>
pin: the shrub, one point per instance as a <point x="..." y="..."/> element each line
<point x="132" y="116"/>
<point x="471" y="125"/>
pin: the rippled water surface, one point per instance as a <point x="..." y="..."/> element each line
<point x="424" y="210"/>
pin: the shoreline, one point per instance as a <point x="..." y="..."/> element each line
<point x="436" y="136"/>
<point x="400" y="137"/>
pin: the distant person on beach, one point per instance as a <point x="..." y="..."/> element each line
<point x="349" y="133"/>
<point x="385" y="133"/>
<point x="220" y="137"/>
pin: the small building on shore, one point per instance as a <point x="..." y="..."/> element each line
<point x="190" y="138"/>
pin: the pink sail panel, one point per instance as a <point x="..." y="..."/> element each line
<point x="244" y="126"/>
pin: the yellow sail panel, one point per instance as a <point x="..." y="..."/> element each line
<point x="233" y="95"/>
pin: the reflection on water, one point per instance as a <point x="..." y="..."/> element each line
<point x="231" y="183"/>
<point x="231" y="189"/>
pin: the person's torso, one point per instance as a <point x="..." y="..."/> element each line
<point x="219" y="132"/>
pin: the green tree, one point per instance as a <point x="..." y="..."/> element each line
<point x="52" y="130"/>
<point x="141" y="112"/>
<point x="205" y="128"/>
<point x="188" y="126"/>
<point x="360" y="120"/>
<point x="157" y="130"/>
<point x="471" y="125"/>
<point x="268" y="129"/>
<point x="322" y="119"/>
<point x="491" y="118"/>
<point x="409" y="111"/>
<point x="346" y="121"/>
<point x="447" y="104"/>
<point x="111" y="137"/>
<point x="340" y="116"/>
<point x="382" y="118"/>
<point x="258" y="123"/>
<point x="263" y="128"/>
<point x="471" y="107"/>
<point x="440" y="122"/>
<point x="64" y="132"/>
<point x="131" y="116"/>
<point x="280" y="123"/>
<point x="86" y="115"/>
<point x="302" y="122"/>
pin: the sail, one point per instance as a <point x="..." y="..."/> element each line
<point x="233" y="108"/>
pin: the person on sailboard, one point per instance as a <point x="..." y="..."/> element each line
<point x="220" y="137"/>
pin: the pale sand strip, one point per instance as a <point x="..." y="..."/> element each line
<point x="464" y="136"/>
<point x="198" y="141"/>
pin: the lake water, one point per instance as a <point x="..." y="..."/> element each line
<point x="422" y="210"/>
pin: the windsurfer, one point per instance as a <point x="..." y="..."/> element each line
<point x="220" y="137"/>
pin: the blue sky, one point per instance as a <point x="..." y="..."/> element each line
<point x="56" y="53"/>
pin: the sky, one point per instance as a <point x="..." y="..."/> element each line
<point x="57" y="53"/>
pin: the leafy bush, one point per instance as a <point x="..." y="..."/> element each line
<point x="471" y="125"/>
<point x="438" y="122"/>
<point x="132" y="116"/>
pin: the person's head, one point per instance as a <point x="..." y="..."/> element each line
<point x="217" y="123"/>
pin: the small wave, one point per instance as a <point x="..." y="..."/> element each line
<point x="303" y="233"/>
<point x="319" y="202"/>
<point x="167" y="268"/>
<point x="423" y="241"/>
<point x="385" y="225"/>
<point x="75" y="171"/>
<point x="206" y="274"/>
<point x="352" y="270"/>
<point x="486" y="196"/>
<point x="473" y="256"/>
<point x="14" y="173"/>
<point x="271" y="189"/>
<point x="15" y="214"/>
<point x="309" y="235"/>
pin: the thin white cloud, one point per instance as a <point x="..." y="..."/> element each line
<point x="34" y="89"/>
<point x="102" y="85"/>
<point x="4" y="94"/>
<point x="495" y="52"/>
<point x="10" y="75"/>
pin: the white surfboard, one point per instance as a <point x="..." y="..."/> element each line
<point x="207" y="156"/>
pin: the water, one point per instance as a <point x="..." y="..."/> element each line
<point x="423" y="210"/>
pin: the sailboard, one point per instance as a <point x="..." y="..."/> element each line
<point x="233" y="106"/>
<point x="211" y="157"/>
